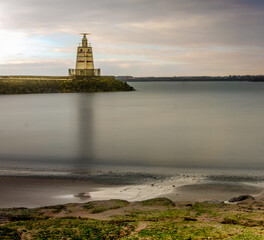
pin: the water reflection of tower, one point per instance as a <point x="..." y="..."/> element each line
<point x="85" y="131"/>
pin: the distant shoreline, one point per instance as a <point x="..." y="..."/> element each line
<point x="247" y="78"/>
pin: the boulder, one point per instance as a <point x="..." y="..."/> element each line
<point x="242" y="198"/>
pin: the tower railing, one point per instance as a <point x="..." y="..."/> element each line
<point x="88" y="45"/>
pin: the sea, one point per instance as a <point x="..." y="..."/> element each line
<point x="168" y="124"/>
<point x="161" y="128"/>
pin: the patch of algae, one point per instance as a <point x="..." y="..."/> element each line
<point x="137" y="220"/>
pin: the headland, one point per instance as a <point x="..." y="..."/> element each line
<point x="83" y="78"/>
<point x="60" y="84"/>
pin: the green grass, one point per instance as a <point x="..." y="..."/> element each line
<point x="20" y="214"/>
<point x="58" y="208"/>
<point x="196" y="230"/>
<point x="67" y="228"/>
<point x="102" y="206"/>
<point x="136" y="221"/>
<point x="9" y="233"/>
<point x="158" y="202"/>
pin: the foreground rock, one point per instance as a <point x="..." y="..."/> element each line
<point x="242" y="198"/>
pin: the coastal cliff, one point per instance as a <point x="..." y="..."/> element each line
<point x="45" y="84"/>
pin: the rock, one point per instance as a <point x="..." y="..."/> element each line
<point x="242" y="198"/>
<point x="190" y="219"/>
<point x="82" y="196"/>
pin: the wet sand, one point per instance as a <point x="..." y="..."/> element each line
<point x="214" y="192"/>
<point x="35" y="192"/>
<point x="44" y="191"/>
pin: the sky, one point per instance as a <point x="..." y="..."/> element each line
<point x="134" y="37"/>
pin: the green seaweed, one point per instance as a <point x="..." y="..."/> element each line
<point x="97" y="207"/>
<point x="158" y="202"/>
<point x="139" y="220"/>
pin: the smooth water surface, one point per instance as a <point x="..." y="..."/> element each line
<point x="178" y="124"/>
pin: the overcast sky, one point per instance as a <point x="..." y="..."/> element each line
<point x="134" y="37"/>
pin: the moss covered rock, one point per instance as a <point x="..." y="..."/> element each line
<point x="81" y="84"/>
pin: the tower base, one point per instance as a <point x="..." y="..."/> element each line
<point x="84" y="72"/>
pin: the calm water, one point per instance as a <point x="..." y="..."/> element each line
<point x="161" y="124"/>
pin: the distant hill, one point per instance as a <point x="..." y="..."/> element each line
<point x="250" y="78"/>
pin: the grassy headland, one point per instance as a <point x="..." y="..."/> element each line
<point x="152" y="219"/>
<point x="91" y="84"/>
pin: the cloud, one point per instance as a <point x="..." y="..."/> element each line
<point x="170" y="31"/>
<point x="35" y="67"/>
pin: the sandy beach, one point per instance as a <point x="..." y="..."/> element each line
<point x="124" y="204"/>
<point x="37" y="191"/>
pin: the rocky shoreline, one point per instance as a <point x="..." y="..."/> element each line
<point x="158" y="218"/>
<point x="17" y="85"/>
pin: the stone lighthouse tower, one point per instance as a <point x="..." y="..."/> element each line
<point x="84" y="60"/>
